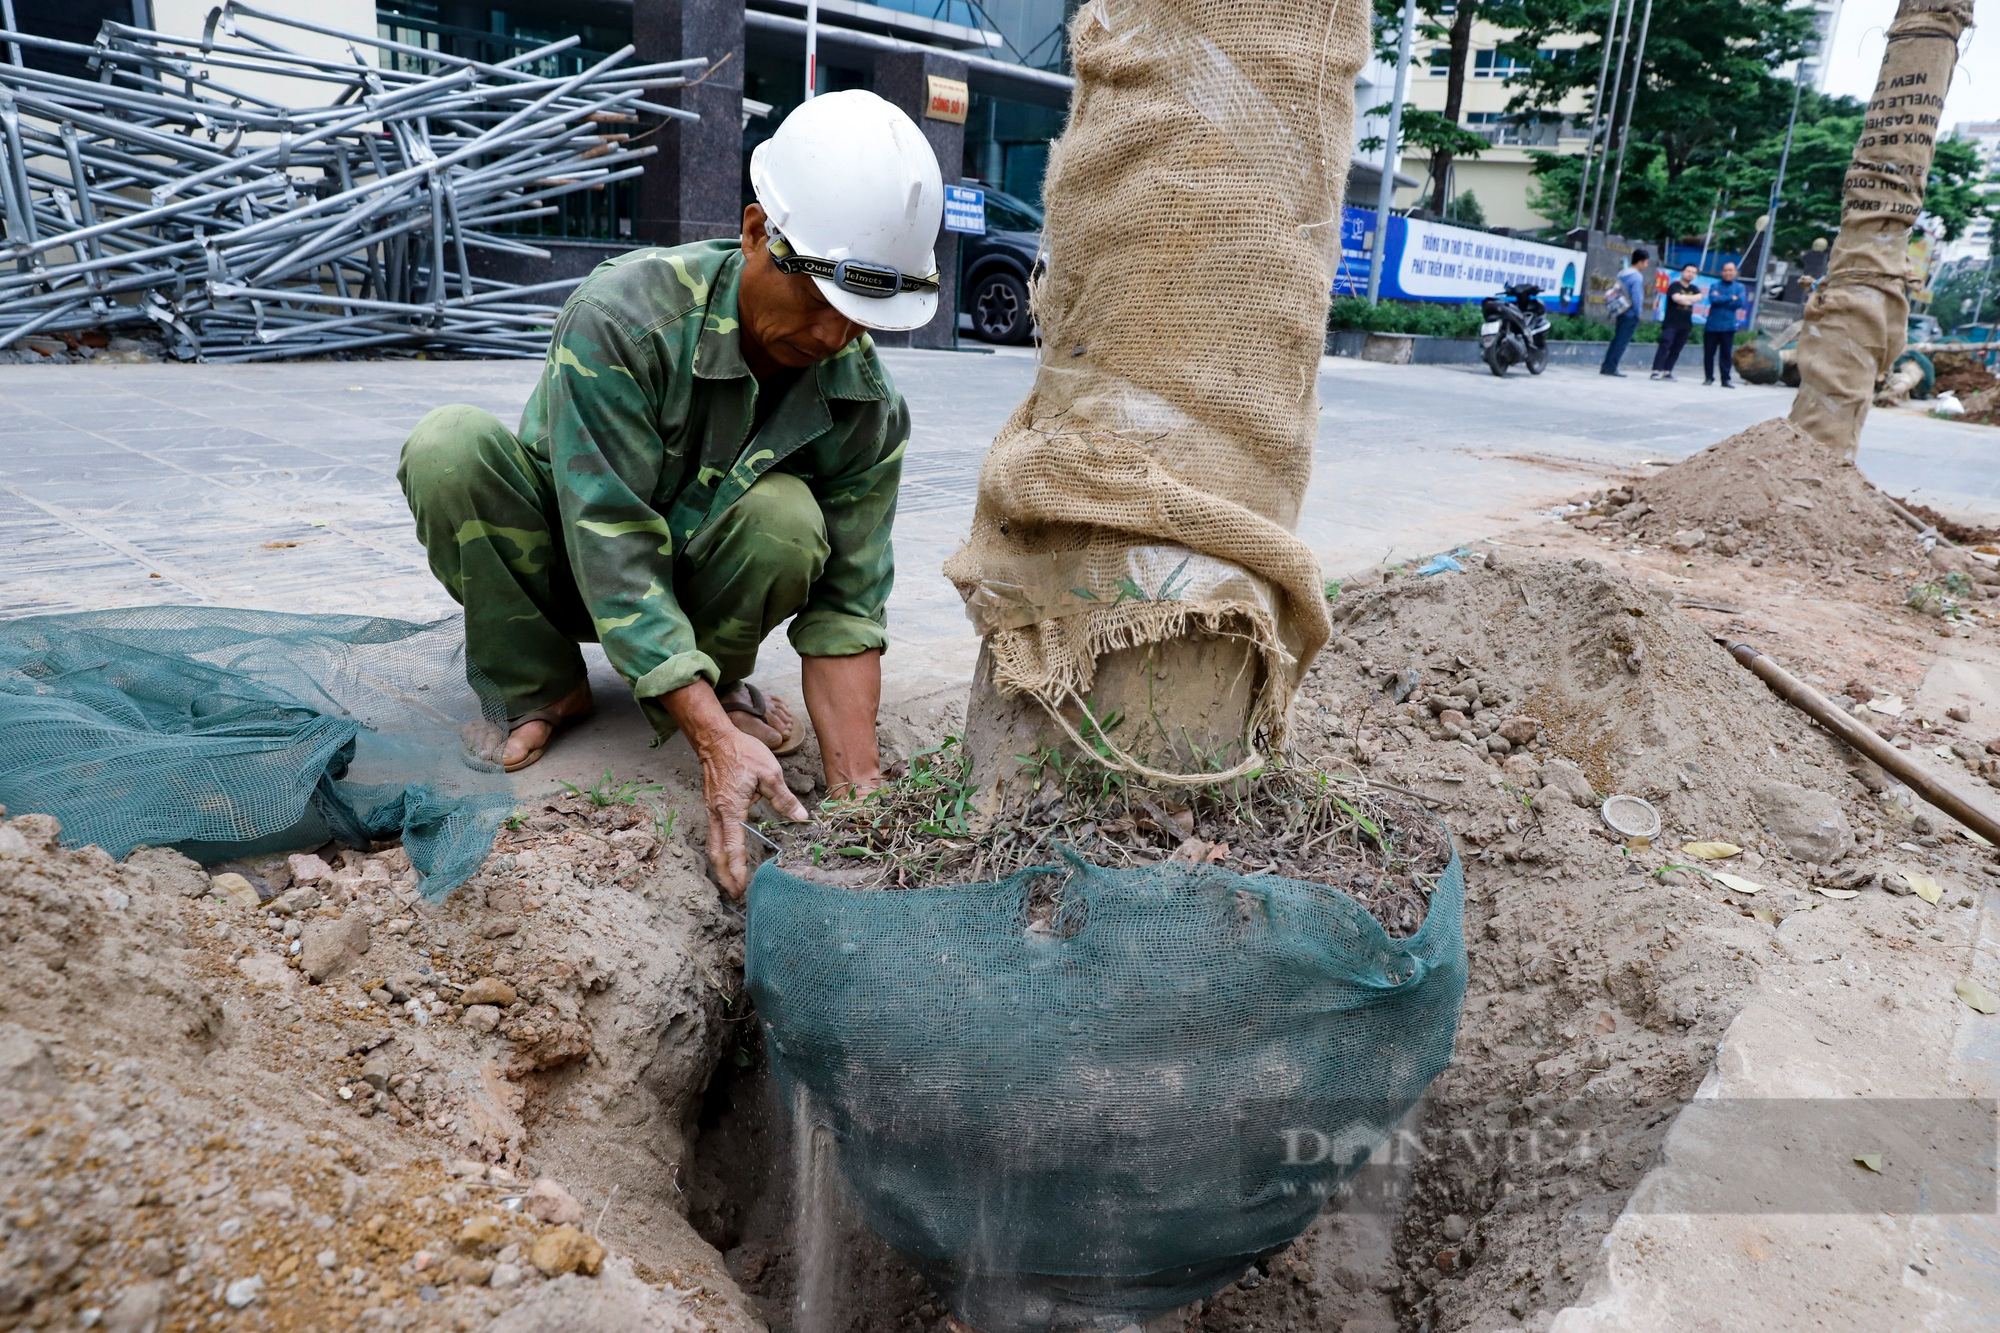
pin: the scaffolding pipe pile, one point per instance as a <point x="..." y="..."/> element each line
<point x="172" y="190"/>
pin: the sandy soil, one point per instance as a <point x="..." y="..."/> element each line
<point x="334" y="1106"/>
<point x="201" y="1123"/>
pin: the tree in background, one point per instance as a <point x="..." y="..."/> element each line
<point x="1437" y="135"/>
<point x="1706" y="82"/>
<point x="1954" y="197"/>
<point x="1733" y="188"/>
<point x="1466" y="208"/>
<point x="1454" y="99"/>
<point x="1736" y="189"/>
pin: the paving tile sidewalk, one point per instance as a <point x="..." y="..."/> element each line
<point x="273" y="486"/>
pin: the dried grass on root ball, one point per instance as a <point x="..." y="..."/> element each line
<point x="1378" y="845"/>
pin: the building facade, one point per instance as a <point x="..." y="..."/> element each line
<point x="1500" y="178"/>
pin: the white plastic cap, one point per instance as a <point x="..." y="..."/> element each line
<point x="849" y="176"/>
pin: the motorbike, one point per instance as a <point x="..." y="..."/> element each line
<point x="1515" y="330"/>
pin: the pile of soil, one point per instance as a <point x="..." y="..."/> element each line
<point x="1951" y="529"/>
<point x="1509" y="698"/>
<point x="1771" y="491"/>
<point x="294" y="1097"/>
<point x="1601" y="978"/>
<point x="1963" y="373"/>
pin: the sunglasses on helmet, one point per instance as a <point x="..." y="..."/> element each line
<point x="879" y="281"/>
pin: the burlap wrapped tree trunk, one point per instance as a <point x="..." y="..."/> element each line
<point x="1134" y="536"/>
<point x="1856" y="323"/>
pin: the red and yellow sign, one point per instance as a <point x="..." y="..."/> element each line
<point x="948" y="101"/>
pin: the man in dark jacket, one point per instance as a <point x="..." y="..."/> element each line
<point x="1727" y="300"/>
<point x="1677" y="322"/>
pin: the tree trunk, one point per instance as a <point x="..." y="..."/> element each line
<point x="1184" y="707"/>
<point x="1454" y="100"/>
<point x="1857" y="321"/>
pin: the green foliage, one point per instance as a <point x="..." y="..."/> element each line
<point x="1955" y="294"/>
<point x="1708" y="119"/>
<point x="1940" y="598"/>
<point x="1952" y="195"/>
<point x="1424" y="317"/>
<point x="1459" y="321"/>
<point x="1466" y="209"/>
<point x="608" y="791"/>
<point x="1433" y="28"/>
<point x="1426" y="132"/>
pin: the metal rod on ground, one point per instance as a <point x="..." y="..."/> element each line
<point x="1596" y="110"/>
<point x="1610" y="123"/>
<point x="1625" y="135"/>
<point x="1392" y="137"/>
<point x="1821" y="710"/>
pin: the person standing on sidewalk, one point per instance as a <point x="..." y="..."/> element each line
<point x="1677" y="322"/>
<point x="1726" y="302"/>
<point x="1623" y="302"/>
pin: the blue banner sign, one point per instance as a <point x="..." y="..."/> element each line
<point x="965" y="209"/>
<point x="1434" y="261"/>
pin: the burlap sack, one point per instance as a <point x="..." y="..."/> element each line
<point x="1150" y="484"/>
<point x="1857" y="321"/>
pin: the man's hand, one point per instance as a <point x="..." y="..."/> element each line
<point x="735" y="771"/>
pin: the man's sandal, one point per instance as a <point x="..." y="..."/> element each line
<point x="557" y="718"/>
<point x="753" y="702"/>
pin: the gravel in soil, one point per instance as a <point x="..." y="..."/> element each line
<point x="1603" y="970"/>
<point x="293" y="1096"/>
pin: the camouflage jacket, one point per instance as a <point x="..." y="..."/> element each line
<point x="642" y="423"/>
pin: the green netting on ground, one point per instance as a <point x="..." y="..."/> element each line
<point x="228" y="732"/>
<point x="1067" y="1127"/>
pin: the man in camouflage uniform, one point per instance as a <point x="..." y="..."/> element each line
<point x="713" y="448"/>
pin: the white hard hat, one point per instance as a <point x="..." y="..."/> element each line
<point x="852" y="191"/>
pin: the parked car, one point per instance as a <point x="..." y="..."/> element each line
<point x="998" y="266"/>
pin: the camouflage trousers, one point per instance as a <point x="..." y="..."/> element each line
<point x="486" y="514"/>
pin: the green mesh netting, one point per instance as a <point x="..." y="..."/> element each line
<point x="226" y="733"/>
<point x="1066" y="1129"/>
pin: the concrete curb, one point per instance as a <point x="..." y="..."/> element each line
<point x="1405" y="349"/>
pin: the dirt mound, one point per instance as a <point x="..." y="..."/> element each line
<point x="1770" y="491"/>
<point x="1513" y="696"/>
<point x="192" y="1129"/>
<point x="1963" y="373"/>
<point x="1594" y="670"/>
<point x="1951" y="529"/>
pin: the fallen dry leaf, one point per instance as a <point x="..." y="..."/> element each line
<point x="1765" y="914"/>
<point x="1976" y="995"/>
<point x="1736" y="882"/>
<point x="1712" y="851"/>
<point x="278" y="546"/>
<point x="1871" y="1160"/>
<point x="1824" y="891"/>
<point x="1888" y="706"/>
<point x="1923" y="886"/>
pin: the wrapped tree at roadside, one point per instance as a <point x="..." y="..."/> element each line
<point x="1133" y="549"/>
<point x="1856" y="321"/>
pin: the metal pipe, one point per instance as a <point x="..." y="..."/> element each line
<point x="1596" y="110"/>
<point x="1821" y="710"/>
<point x="1391" y="150"/>
<point x="1617" y="82"/>
<point x="1625" y="135"/>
